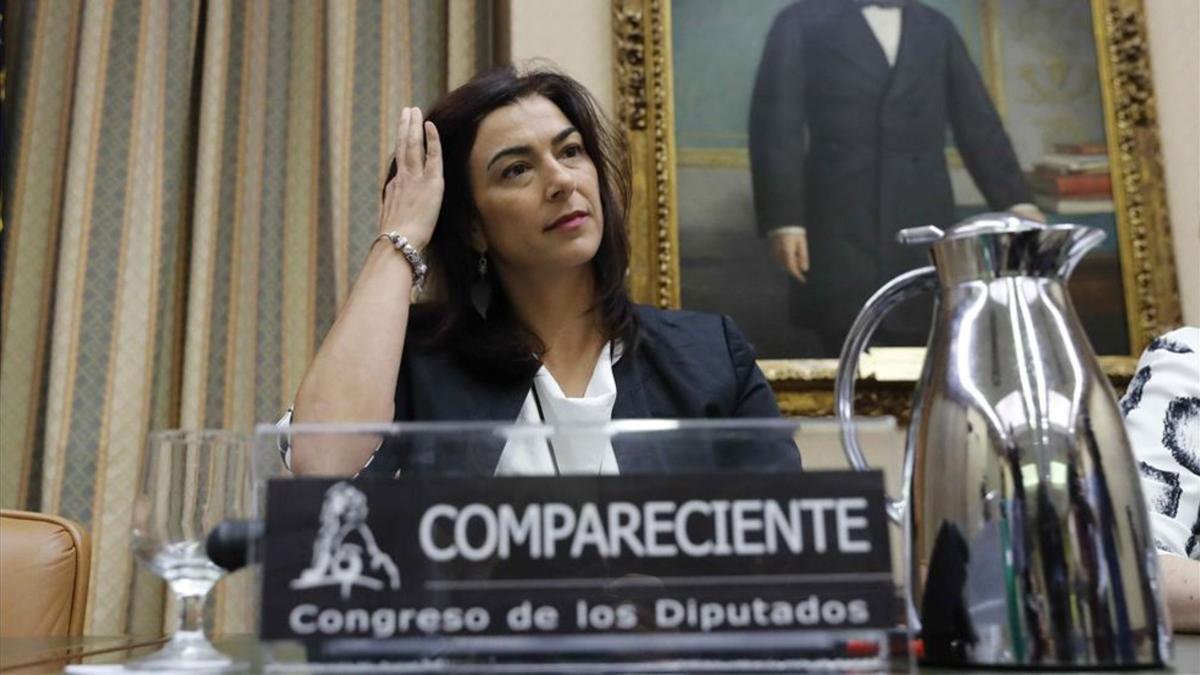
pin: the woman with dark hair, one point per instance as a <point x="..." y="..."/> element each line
<point x="513" y="195"/>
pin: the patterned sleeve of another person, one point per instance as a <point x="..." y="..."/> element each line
<point x="1162" y="416"/>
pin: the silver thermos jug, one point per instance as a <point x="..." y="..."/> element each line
<point x="1027" y="542"/>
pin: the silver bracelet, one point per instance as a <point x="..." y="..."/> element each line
<point x="411" y="254"/>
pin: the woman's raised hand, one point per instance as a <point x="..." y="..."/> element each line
<point x="413" y="197"/>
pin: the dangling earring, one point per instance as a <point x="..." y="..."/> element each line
<point x="481" y="289"/>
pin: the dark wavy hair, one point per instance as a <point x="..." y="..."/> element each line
<point x="500" y="347"/>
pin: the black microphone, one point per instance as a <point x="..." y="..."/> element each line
<point x="229" y="543"/>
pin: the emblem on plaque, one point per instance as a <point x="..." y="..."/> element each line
<point x="341" y="544"/>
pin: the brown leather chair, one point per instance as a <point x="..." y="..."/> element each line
<point x="44" y="566"/>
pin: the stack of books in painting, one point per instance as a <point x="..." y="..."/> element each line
<point x="1074" y="179"/>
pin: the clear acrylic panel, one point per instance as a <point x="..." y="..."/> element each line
<point x="659" y="546"/>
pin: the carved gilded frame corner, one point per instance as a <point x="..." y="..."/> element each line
<point x="645" y="111"/>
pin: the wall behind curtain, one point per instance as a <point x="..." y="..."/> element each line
<point x="189" y="190"/>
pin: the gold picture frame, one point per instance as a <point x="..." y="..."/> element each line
<point x="804" y="387"/>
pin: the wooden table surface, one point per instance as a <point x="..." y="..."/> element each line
<point x="42" y="655"/>
<point x="53" y="655"/>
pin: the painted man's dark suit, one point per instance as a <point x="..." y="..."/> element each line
<point x="854" y="150"/>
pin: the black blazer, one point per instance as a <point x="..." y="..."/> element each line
<point x="854" y="149"/>
<point x="684" y="365"/>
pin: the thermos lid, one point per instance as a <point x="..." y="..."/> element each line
<point x="992" y="244"/>
<point x="976" y="226"/>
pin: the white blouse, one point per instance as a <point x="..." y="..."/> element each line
<point x="578" y="454"/>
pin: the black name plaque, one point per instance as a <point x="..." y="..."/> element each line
<point x="698" y="553"/>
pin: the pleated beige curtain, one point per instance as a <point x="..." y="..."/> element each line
<point x="190" y="188"/>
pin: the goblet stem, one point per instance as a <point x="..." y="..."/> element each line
<point x="191" y="614"/>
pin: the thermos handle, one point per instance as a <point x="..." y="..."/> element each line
<point x="891" y="294"/>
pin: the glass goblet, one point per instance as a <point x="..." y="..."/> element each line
<point x="190" y="481"/>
